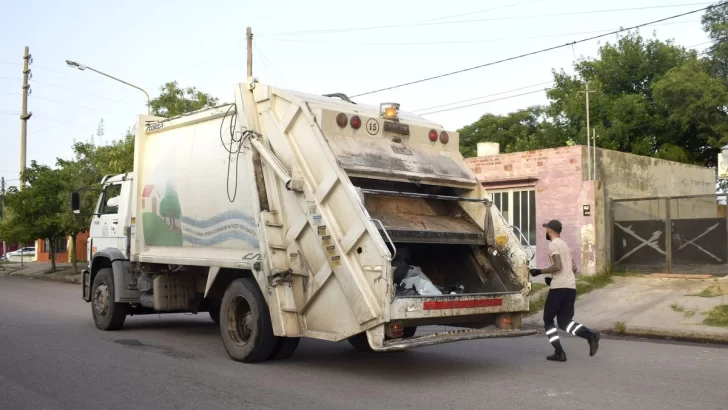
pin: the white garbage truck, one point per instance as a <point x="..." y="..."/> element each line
<point x="288" y="215"/>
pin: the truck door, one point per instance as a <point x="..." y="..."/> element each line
<point x="106" y="227"/>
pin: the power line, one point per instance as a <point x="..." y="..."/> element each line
<point x="573" y="13"/>
<point x="484" y="102"/>
<point x="482" y="96"/>
<point x="427" y="43"/>
<point x="538" y="51"/>
<point x="483" y="11"/>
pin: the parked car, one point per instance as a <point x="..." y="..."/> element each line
<point x="27" y="251"/>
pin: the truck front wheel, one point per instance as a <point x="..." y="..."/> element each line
<point x="108" y="315"/>
<point x="245" y="323"/>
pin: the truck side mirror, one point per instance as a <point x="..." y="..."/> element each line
<point x="75" y="202"/>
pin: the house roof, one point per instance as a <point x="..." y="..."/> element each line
<point x="147" y="191"/>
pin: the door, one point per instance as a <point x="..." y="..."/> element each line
<point x="106" y="228"/>
<point x="518" y="207"/>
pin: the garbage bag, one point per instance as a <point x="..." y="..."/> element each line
<point x="422" y="284"/>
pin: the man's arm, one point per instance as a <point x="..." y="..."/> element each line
<point x="573" y="266"/>
<point x="556" y="264"/>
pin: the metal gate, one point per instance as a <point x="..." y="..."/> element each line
<point x="678" y="234"/>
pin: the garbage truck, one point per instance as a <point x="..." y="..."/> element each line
<point x="286" y="215"/>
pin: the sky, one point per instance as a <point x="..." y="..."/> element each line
<point x="324" y="47"/>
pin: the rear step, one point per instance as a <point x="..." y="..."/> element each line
<point x="448" y="337"/>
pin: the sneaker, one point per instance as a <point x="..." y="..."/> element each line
<point x="593" y="343"/>
<point x="557" y="357"/>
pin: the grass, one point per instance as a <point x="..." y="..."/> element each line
<point x="584" y="285"/>
<point x="718" y="316"/>
<point x="535" y="287"/>
<point x="536" y="305"/>
<point x="710" y="292"/>
<point x="620" y="328"/>
<point x="677" y="307"/>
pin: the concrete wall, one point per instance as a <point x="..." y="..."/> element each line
<point x="557" y="175"/>
<point x="624" y="175"/>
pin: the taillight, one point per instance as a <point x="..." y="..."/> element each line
<point x="433" y="135"/>
<point x="444" y="138"/>
<point x="394" y="330"/>
<point x="355" y="122"/>
<point x="341" y="120"/>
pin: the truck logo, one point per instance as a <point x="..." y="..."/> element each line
<point x="372" y="126"/>
<point x="154" y="126"/>
<point x="252" y="256"/>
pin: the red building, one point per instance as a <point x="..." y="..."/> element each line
<point x="42" y="249"/>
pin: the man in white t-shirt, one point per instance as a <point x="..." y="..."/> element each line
<point x="562" y="295"/>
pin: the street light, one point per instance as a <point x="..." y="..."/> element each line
<point x="82" y="67"/>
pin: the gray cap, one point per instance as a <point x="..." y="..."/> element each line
<point x="554" y="225"/>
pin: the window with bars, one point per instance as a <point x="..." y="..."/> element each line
<point x="518" y="207"/>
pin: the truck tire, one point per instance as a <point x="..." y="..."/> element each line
<point x="108" y="315"/>
<point x="360" y="342"/>
<point x="409" y="331"/>
<point x="285" y="347"/>
<point x="245" y="324"/>
<point x="215" y="312"/>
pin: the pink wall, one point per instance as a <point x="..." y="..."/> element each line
<point x="557" y="176"/>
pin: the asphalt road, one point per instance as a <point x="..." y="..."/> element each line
<point x="52" y="357"/>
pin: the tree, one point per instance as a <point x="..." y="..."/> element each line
<point x="174" y="101"/>
<point x="715" y="23"/>
<point x="170" y="206"/>
<point x="36" y="211"/>
<point x="651" y="98"/>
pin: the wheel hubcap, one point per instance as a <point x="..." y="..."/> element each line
<point x="240" y="321"/>
<point x="101" y="299"/>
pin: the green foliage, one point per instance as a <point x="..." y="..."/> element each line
<point x="647" y="97"/>
<point x="718" y="316"/>
<point x="37" y="209"/>
<point x="174" y="101"/>
<point x="620" y="328"/>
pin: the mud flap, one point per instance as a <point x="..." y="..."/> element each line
<point x="86" y="284"/>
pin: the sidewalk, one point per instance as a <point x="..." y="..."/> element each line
<point x="37" y="270"/>
<point x="653" y="307"/>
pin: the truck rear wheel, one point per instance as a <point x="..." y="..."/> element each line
<point x="360" y="342"/>
<point x="215" y="312"/>
<point x="108" y="315"/>
<point x="285" y="347"/>
<point x="245" y="324"/>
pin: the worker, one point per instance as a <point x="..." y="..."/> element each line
<point x="562" y="295"/>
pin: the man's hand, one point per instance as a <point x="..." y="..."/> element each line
<point x="534" y="272"/>
<point x="548" y="281"/>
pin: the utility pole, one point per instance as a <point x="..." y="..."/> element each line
<point x="2" y="215"/>
<point x="24" y="115"/>
<point x="249" y="37"/>
<point x="588" y="134"/>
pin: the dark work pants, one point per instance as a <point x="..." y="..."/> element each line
<point x="560" y="306"/>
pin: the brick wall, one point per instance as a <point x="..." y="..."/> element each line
<point x="557" y="176"/>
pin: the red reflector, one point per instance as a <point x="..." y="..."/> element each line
<point x="341" y="120"/>
<point x="433" y="135"/>
<point x="444" y="138"/>
<point x="355" y="122"/>
<point x="462" y="304"/>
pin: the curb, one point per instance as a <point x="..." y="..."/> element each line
<point x="656" y="334"/>
<point x="63" y="279"/>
